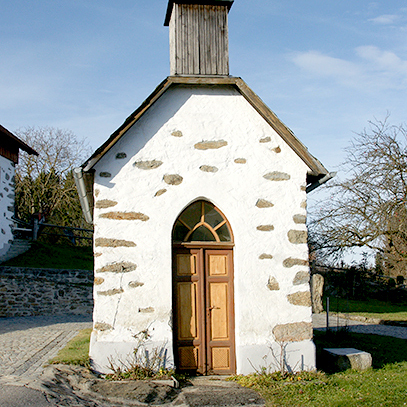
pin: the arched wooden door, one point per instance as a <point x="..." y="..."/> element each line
<point x="203" y="328"/>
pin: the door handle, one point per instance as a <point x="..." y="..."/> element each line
<point x="213" y="307"/>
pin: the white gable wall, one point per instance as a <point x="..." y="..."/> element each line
<point x="7" y="172"/>
<point x="129" y="302"/>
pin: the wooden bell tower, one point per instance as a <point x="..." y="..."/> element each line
<point x="198" y="36"/>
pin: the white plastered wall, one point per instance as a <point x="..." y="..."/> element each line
<point x="7" y="172"/>
<point x="130" y="302"/>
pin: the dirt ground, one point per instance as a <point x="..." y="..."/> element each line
<point x="70" y="386"/>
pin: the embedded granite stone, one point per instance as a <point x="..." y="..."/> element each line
<point x="210" y="145"/>
<point x="303" y="188"/>
<point x="173" y="179"/>
<point x="98" y="280"/>
<point x="177" y="133"/>
<point x="302" y="298"/>
<point x="303" y="205"/>
<point x="105" y="242"/>
<point x="208" y="168"/>
<point x="120" y="156"/>
<point x="97" y="192"/>
<point x="265" y="256"/>
<point x="98" y="254"/>
<point x="300" y="219"/>
<point x="7" y="177"/>
<point x="265" y="140"/>
<point x="160" y="192"/>
<point x="113" y="291"/>
<point x="290" y="262"/>
<point x="105" y="203"/>
<point x="240" y="160"/>
<point x="277" y="176"/>
<point x="272" y="284"/>
<point x="294" y="332"/>
<point x="297" y="236"/>
<point x="277" y="149"/>
<point x="265" y="228"/>
<point x="121" y="267"/>
<point x="135" y="284"/>
<point x="147" y="310"/>
<point x="148" y="165"/>
<point x="317" y="292"/>
<point x="102" y="326"/>
<point x="125" y="216"/>
<point x="105" y="174"/>
<point x="263" y="203"/>
<point x="302" y="277"/>
<point x="346" y="358"/>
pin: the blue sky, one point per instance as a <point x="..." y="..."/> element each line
<point x="324" y="67"/>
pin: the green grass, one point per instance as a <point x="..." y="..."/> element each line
<point x="76" y="352"/>
<point x="383" y="385"/>
<point x="370" y="308"/>
<point x="43" y="255"/>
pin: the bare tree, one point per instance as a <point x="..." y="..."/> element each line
<point x="44" y="183"/>
<point x="368" y="208"/>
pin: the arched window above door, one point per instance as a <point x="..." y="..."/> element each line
<point x="202" y="222"/>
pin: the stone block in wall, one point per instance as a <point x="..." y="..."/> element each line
<point x="294" y="332"/>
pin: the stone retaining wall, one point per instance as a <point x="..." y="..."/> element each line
<point x="28" y="292"/>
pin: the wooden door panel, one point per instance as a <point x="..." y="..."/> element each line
<point x="218" y="265"/>
<point x="218" y="303"/>
<point x="188" y="357"/>
<point x="186" y="264"/>
<point x="220" y="358"/>
<point x="187" y="311"/>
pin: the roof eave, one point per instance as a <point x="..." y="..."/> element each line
<point x="21" y="145"/>
<point x="227" y="3"/>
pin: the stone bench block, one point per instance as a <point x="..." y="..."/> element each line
<point x="347" y="358"/>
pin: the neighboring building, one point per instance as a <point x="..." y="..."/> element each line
<point x="9" y="149"/>
<point x="199" y="214"/>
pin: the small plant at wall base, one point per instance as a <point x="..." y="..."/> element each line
<point x="143" y="364"/>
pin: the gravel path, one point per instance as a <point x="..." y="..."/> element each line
<point x="319" y="322"/>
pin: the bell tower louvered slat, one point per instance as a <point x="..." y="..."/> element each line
<point x="198" y="37"/>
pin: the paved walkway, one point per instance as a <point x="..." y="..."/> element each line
<point x="27" y="344"/>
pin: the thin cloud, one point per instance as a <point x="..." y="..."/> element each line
<point x="383" y="60"/>
<point x="385" y="19"/>
<point x="373" y="68"/>
<point x="317" y="63"/>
